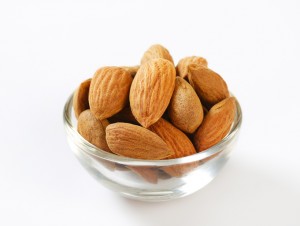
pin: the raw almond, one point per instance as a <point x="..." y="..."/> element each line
<point x="136" y="142"/>
<point x="177" y="142"/>
<point x="174" y="138"/>
<point x="132" y="70"/>
<point x="92" y="129"/>
<point x="151" y="90"/>
<point x="210" y="86"/>
<point x="216" y="124"/>
<point x="183" y="64"/>
<point x="147" y="173"/>
<point x="109" y="91"/>
<point x="81" y="98"/>
<point x="185" y="109"/>
<point x="156" y="51"/>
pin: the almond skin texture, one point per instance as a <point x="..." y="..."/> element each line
<point x="210" y="87"/>
<point x="216" y="124"/>
<point x="185" y="109"/>
<point x="182" y="66"/>
<point x="156" y="51"/>
<point x="132" y="70"/>
<point x="92" y="129"/>
<point x="151" y="91"/>
<point x="136" y="142"/>
<point x="81" y="98"/>
<point x="109" y="91"/>
<point x="178" y="142"/>
<point x="174" y="138"/>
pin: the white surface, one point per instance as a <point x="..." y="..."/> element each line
<point x="47" y="49"/>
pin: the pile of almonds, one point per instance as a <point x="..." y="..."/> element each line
<point x="155" y="110"/>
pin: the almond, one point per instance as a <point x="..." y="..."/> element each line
<point x="182" y="66"/>
<point x="216" y="124"/>
<point x="151" y="90"/>
<point x="174" y="138"/>
<point x="109" y="91"/>
<point x="177" y="142"/>
<point x="81" y="98"/>
<point x="210" y="86"/>
<point x="147" y="173"/>
<point x="136" y="142"/>
<point x="132" y="70"/>
<point x="92" y="129"/>
<point x="185" y="109"/>
<point x="156" y="51"/>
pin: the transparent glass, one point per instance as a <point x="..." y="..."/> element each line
<point x="154" y="180"/>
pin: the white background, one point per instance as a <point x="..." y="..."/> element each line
<point x="48" y="48"/>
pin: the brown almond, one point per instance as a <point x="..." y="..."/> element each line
<point x="183" y="64"/>
<point x="109" y="91"/>
<point x="147" y="173"/>
<point x="156" y="51"/>
<point x="174" y="138"/>
<point x="177" y="142"/>
<point x="210" y="86"/>
<point x="92" y="129"/>
<point x="151" y="90"/>
<point x="185" y="109"/>
<point x="131" y="69"/>
<point x="216" y="124"/>
<point x="136" y="142"/>
<point x="81" y="98"/>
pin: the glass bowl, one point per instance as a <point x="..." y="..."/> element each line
<point x="154" y="180"/>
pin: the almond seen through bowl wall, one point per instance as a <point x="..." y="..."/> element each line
<point x="148" y="173"/>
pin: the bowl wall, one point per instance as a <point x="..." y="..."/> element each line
<point x="156" y="180"/>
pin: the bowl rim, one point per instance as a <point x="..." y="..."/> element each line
<point x="97" y="152"/>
